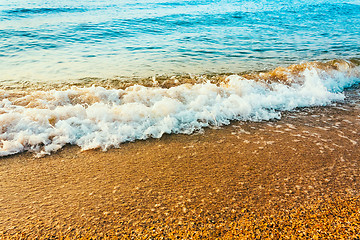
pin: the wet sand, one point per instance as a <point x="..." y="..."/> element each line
<point x="295" y="177"/>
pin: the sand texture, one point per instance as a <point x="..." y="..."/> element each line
<point x="293" y="178"/>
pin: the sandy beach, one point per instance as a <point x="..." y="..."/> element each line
<point x="295" y="177"/>
<point x="179" y="119"/>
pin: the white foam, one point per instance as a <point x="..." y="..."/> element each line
<point x="94" y="117"/>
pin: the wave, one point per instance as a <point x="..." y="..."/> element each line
<point x="30" y="11"/>
<point x="95" y="117"/>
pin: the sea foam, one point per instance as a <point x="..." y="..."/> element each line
<point x="94" y="117"/>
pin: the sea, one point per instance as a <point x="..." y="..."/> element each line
<point x="97" y="74"/>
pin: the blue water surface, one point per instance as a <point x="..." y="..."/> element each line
<point x="61" y="40"/>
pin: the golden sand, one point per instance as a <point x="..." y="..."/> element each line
<point x="294" y="178"/>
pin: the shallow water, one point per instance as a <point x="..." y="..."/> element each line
<point x="98" y="74"/>
<point x="62" y="40"/>
<point x="96" y="117"/>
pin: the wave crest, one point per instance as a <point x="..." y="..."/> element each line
<point x="96" y="117"/>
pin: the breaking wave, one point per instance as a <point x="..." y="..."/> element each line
<point x="97" y="117"/>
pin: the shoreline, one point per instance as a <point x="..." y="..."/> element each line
<point x="226" y="183"/>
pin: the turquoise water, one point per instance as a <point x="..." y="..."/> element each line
<point x="61" y="40"/>
<point x="48" y="47"/>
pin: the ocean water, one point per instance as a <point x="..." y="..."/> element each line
<point x="60" y="40"/>
<point x="100" y="73"/>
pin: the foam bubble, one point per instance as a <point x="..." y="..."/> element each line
<point x="95" y="117"/>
